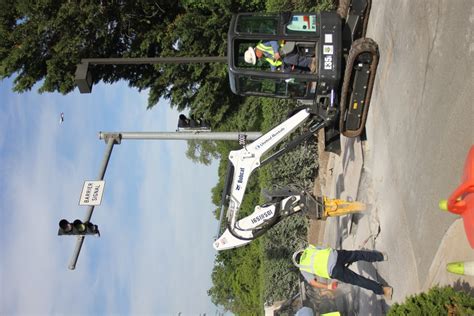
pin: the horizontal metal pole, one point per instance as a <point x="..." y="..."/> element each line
<point x="154" y="60"/>
<point x="181" y="135"/>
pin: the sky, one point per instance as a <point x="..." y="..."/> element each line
<point x="155" y="254"/>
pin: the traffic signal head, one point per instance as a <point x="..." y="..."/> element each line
<point x="65" y="226"/>
<point x="183" y="121"/>
<point x="92" y="229"/>
<point x="77" y="227"/>
<point x="193" y="123"/>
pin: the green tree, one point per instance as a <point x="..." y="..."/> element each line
<point x="437" y="301"/>
<point x="235" y="280"/>
<point x="46" y="39"/>
<point x="42" y="41"/>
<point x="202" y="151"/>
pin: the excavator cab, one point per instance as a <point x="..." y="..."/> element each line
<point x="306" y="34"/>
<point x="338" y="90"/>
<point x="342" y="75"/>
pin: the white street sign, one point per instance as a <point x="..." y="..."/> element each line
<point x="92" y="192"/>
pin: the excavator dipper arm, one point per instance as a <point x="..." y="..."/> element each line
<point x="244" y="162"/>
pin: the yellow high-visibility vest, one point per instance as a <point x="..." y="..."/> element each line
<point x="315" y="261"/>
<point x="269" y="50"/>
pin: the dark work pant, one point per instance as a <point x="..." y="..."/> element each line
<point x="297" y="60"/>
<point x="342" y="273"/>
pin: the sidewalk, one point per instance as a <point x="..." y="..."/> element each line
<point x="363" y="231"/>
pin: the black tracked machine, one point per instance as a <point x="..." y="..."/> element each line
<point x="342" y="74"/>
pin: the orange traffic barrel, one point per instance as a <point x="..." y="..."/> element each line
<point x="461" y="201"/>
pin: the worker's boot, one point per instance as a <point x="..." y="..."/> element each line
<point x="387" y="292"/>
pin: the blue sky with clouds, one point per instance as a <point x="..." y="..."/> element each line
<point x="154" y="256"/>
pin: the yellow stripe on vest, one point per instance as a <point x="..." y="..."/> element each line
<point x="269" y="50"/>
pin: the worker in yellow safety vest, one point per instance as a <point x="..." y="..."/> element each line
<point x="270" y="52"/>
<point x="328" y="263"/>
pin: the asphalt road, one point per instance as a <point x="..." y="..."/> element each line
<point x="419" y="130"/>
<point x="420" y="127"/>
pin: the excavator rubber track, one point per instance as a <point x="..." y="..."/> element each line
<point x="359" y="78"/>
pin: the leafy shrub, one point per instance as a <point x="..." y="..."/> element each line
<point x="437" y="301"/>
<point x="281" y="277"/>
<point x="297" y="167"/>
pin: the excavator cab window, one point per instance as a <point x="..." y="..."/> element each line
<point x="268" y="24"/>
<point x="257" y="24"/>
<point x="283" y="88"/>
<point x="297" y="34"/>
<point x="241" y="47"/>
<point x="301" y="48"/>
<point x="301" y="23"/>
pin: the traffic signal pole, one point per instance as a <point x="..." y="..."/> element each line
<point x="105" y="161"/>
<point x="112" y="138"/>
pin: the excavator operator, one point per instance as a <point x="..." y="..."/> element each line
<point x="270" y="52"/>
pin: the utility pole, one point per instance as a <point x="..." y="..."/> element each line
<point x="113" y="138"/>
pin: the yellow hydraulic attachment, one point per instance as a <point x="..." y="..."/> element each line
<point x="338" y="207"/>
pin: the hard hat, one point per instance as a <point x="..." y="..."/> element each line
<point x="295" y="254"/>
<point x="250" y="56"/>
